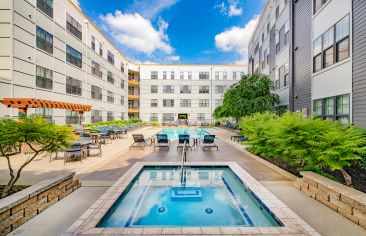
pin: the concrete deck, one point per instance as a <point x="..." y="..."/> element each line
<point x="97" y="174"/>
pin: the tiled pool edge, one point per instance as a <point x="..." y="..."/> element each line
<point x="293" y="224"/>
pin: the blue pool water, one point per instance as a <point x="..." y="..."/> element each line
<point x="211" y="196"/>
<point x="193" y="132"/>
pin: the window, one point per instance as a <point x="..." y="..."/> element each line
<point x="122" y="84"/>
<point x="168" y="102"/>
<point x="189" y="75"/>
<point x="122" y="100"/>
<point x="164" y="74"/>
<point x="317" y="4"/>
<point x="154" y="89"/>
<point x="153" y="116"/>
<point x="93" y="43"/>
<point x="73" y="56"/>
<point x="203" y="103"/>
<point x="110" y="97"/>
<point x="154" y="75"/>
<point x="241" y="74"/>
<point x="72" y="117"/>
<point x="110" y="116"/>
<point x="201" y="116"/>
<point x="168" y="89"/>
<point x="217" y="75"/>
<point x="234" y="75"/>
<point x="286" y="76"/>
<point x="100" y="49"/>
<point x="168" y="116"/>
<point x="220" y="89"/>
<point x="277" y="12"/>
<point x="277" y="84"/>
<point x="110" y="57"/>
<point x="172" y="75"/>
<point x="204" y="89"/>
<point x="44" y="78"/>
<point x="95" y="69"/>
<point x="317" y="52"/>
<point x="328" y="50"/>
<point x="287" y="32"/>
<point x="333" y="108"/>
<point x="96" y="92"/>
<point x="96" y="116"/>
<point x="185" y="89"/>
<point x="203" y="75"/>
<point x="185" y="103"/>
<point x="342" y="39"/>
<point x="277" y="38"/>
<point x="154" y="103"/>
<point x="73" y="26"/>
<point x="46" y="113"/>
<point x="218" y="102"/>
<point x="73" y="86"/>
<point x="181" y="75"/>
<point x="44" y="40"/>
<point x="123" y="68"/>
<point x="110" y="78"/>
<point x="46" y="6"/>
<point x="224" y="75"/>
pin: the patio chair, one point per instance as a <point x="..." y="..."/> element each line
<point x="95" y="146"/>
<point x="162" y="141"/>
<point x="209" y="142"/>
<point x="139" y="141"/>
<point x="235" y="137"/>
<point x="75" y="151"/>
<point x="183" y="138"/>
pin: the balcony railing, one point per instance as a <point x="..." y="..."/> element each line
<point x="133" y="107"/>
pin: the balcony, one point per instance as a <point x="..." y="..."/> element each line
<point x="133" y="82"/>
<point x="133" y="109"/>
<point x="133" y="95"/>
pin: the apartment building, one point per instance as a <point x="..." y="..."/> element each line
<point x="49" y="49"/>
<point x="323" y="45"/>
<point x="186" y="92"/>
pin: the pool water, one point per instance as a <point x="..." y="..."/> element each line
<point x="193" y="132"/>
<point x="208" y="196"/>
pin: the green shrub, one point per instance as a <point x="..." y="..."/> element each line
<point x="304" y="142"/>
<point x="144" y="123"/>
<point x="155" y="123"/>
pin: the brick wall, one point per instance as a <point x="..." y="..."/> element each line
<point x="347" y="201"/>
<point x="20" y="207"/>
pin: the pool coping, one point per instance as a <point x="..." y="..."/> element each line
<point x="87" y="223"/>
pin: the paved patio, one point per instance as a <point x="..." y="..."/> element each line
<point x="97" y="174"/>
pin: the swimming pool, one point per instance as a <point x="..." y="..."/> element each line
<point x="193" y="132"/>
<point x="208" y="196"/>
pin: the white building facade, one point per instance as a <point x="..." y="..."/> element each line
<point x="51" y="50"/>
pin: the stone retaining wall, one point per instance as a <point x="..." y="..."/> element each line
<point x="20" y="207"/>
<point x="347" y="201"/>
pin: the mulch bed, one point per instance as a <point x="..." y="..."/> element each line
<point x="15" y="189"/>
<point x="356" y="172"/>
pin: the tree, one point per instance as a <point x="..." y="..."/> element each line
<point x="253" y="93"/>
<point x="33" y="132"/>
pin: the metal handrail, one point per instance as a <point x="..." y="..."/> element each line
<point x="184" y="159"/>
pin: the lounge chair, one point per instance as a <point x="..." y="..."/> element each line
<point x="139" y="141"/>
<point x="95" y="146"/>
<point x="183" y="138"/>
<point x="235" y="137"/>
<point x="162" y="141"/>
<point x="75" y="151"/>
<point x="209" y="142"/>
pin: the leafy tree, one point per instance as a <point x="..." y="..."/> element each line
<point x="33" y="132"/>
<point x="253" y="93"/>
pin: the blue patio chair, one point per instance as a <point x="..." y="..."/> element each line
<point x="162" y="141"/>
<point x="183" y="138"/>
<point x="209" y="142"/>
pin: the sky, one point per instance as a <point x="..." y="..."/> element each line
<point x="177" y="31"/>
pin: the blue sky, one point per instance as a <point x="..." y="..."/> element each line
<point x="177" y="31"/>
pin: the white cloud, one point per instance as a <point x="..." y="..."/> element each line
<point x="137" y="32"/>
<point x="150" y="8"/>
<point x="233" y="8"/>
<point x="173" y="58"/>
<point x="236" y="39"/>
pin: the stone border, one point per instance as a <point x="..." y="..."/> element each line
<point x="22" y="206"/>
<point x="87" y="223"/>
<point x="347" y="201"/>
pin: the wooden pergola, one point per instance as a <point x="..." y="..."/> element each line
<point x="24" y="103"/>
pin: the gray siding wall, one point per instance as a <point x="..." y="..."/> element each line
<point x="302" y="56"/>
<point x="359" y="62"/>
<point x="272" y="54"/>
